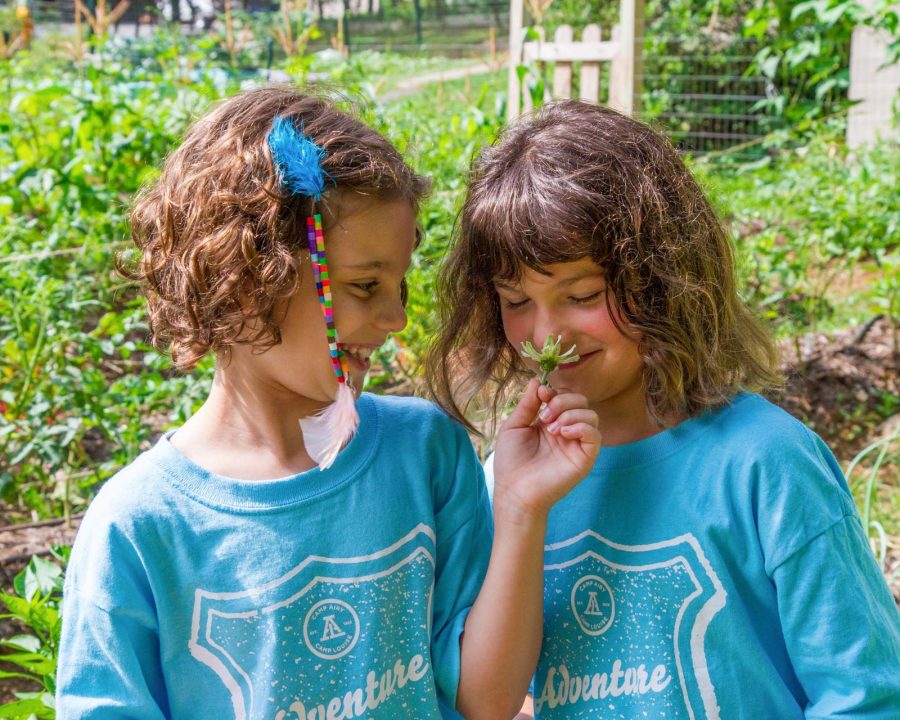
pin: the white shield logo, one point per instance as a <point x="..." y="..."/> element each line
<point x="624" y="630"/>
<point x="295" y="641"/>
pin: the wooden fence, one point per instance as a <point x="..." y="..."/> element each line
<point x="622" y="51"/>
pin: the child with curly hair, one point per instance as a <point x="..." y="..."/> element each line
<point x="713" y="563"/>
<point x="248" y="566"/>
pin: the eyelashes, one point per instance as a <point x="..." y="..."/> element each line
<point x="371" y="286"/>
<point x="583" y="300"/>
<point x="513" y="305"/>
<point x="588" y="299"/>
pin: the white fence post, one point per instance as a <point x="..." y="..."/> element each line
<point x="874" y="86"/>
<point x="589" y="85"/>
<point x="626" y="74"/>
<point x="562" y="72"/>
<point x="516" y="13"/>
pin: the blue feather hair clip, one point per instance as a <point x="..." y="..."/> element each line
<point x="297" y="159"/>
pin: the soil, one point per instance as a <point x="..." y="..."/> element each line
<point x="845" y="386"/>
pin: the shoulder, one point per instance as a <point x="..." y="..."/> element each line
<point x="755" y="429"/>
<point x="421" y="417"/>
<point x="132" y="492"/>
<point x="417" y="433"/>
<point x="127" y="508"/>
<point x="795" y="484"/>
<point x="751" y="413"/>
<point x="757" y="444"/>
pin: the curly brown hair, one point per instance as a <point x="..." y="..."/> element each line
<point x="575" y="181"/>
<point x="221" y="242"/>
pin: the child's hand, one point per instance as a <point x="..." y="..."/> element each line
<point x="536" y="463"/>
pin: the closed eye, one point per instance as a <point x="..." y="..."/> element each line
<point x="588" y="299"/>
<point x="511" y="305"/>
<point x="366" y="287"/>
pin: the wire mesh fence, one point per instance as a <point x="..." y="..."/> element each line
<point x="705" y="93"/>
<point x="701" y="90"/>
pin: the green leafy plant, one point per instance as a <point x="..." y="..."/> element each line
<point x="805" y="49"/>
<point x="33" y="654"/>
<point x="549" y="357"/>
<point x="827" y="256"/>
<point x="870" y="470"/>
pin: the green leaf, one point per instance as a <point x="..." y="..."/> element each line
<point x="804" y="7"/>
<point x="28" y="708"/>
<point x="24" y="642"/>
<point x="37" y="614"/>
<point x="42" y="577"/>
<point x="24" y="676"/>
<point x="33" y="662"/>
<point x="769" y="66"/>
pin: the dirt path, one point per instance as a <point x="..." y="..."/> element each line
<point x="411" y="85"/>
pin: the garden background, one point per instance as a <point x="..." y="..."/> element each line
<point x="754" y="91"/>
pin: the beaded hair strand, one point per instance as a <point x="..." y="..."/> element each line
<point x="298" y="162"/>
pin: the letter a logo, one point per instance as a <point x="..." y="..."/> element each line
<point x="340" y="628"/>
<point x="593" y="604"/>
<point x="331" y="631"/>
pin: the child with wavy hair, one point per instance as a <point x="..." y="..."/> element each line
<point x="298" y="550"/>
<point x="713" y="563"/>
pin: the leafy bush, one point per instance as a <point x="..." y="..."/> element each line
<point x="79" y="386"/>
<point x="805" y="53"/>
<point x="818" y="232"/>
<point x="35" y="605"/>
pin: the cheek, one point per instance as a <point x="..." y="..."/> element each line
<point x="599" y="323"/>
<point x="513" y="327"/>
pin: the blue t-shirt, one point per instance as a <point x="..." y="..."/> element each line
<point x="335" y="593"/>
<point x="716" y="570"/>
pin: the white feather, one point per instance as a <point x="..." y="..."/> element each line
<point x="328" y="431"/>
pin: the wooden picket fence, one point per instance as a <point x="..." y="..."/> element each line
<point x="622" y="51"/>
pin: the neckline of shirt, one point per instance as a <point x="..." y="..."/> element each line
<point x="663" y="444"/>
<point x="235" y="494"/>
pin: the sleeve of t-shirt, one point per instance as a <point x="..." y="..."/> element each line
<point x="109" y="658"/>
<point x="464" y="537"/>
<point x="839" y="621"/>
<point x="108" y="664"/>
<point x="841" y="626"/>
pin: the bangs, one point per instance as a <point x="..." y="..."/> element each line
<point x="518" y="226"/>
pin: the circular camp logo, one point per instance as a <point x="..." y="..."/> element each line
<point x="593" y="604"/>
<point x="331" y="628"/>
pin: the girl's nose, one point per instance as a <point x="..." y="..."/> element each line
<point x="546" y="324"/>
<point x="392" y="315"/>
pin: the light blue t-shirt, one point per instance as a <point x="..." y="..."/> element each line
<point x="330" y="594"/>
<point x="716" y="570"/>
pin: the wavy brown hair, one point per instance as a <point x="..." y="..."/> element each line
<point x="574" y="181"/>
<point x="220" y="241"/>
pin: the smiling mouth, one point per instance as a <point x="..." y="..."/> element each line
<point x="578" y="363"/>
<point x="361" y="354"/>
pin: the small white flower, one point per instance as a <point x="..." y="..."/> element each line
<point x="549" y="356"/>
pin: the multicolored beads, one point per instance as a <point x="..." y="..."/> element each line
<point x="316" y="241"/>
